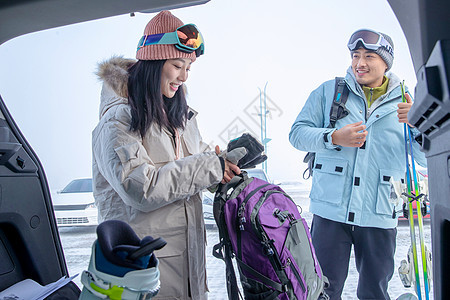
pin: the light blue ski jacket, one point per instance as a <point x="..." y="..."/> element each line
<point x="351" y="185"/>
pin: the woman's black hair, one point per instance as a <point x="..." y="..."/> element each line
<point x="147" y="102"/>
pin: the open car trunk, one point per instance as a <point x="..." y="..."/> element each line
<point x="29" y="241"/>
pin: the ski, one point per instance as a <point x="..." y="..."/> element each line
<point x="419" y="207"/>
<point x="411" y="220"/>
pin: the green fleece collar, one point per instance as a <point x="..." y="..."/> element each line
<point x="373" y="94"/>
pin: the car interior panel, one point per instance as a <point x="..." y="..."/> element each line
<point x="28" y="234"/>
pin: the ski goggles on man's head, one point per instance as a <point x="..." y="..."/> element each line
<point x="371" y="40"/>
<point x="186" y="38"/>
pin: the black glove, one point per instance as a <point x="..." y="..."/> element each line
<point x="255" y="151"/>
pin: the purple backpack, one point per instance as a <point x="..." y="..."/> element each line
<point x="262" y="228"/>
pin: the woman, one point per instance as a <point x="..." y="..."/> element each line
<point x="149" y="161"/>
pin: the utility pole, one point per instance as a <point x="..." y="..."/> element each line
<point x="263" y="111"/>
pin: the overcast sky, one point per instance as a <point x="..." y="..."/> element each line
<point x="289" y="47"/>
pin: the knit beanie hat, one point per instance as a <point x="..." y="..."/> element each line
<point x="384" y="54"/>
<point x="163" y="22"/>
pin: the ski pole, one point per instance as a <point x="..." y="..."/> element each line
<point x="411" y="213"/>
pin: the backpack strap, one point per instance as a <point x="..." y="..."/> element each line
<point x="309" y="159"/>
<point x="281" y="288"/>
<point x="232" y="287"/>
<point x="338" y="109"/>
<point x="223" y="250"/>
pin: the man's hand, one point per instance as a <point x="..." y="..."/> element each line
<point x="230" y="169"/>
<point x="351" y="135"/>
<point x="403" y="108"/>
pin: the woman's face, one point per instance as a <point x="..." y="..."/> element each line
<point x="174" y="73"/>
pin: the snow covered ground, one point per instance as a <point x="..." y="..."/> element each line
<point x="77" y="242"/>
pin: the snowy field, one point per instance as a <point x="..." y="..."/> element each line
<point x="77" y="242"/>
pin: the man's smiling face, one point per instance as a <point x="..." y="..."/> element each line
<point x="368" y="67"/>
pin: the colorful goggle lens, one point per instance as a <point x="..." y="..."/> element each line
<point x="190" y="37"/>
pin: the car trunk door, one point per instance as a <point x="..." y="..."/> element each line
<point x="29" y="242"/>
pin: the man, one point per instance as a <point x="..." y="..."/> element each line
<point x="353" y="164"/>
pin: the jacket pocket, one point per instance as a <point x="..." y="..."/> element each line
<point x="173" y="265"/>
<point x="329" y="179"/>
<point x="383" y="205"/>
<point x="127" y="152"/>
<point x="131" y="156"/>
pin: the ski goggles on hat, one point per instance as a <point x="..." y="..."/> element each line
<point x="370" y="40"/>
<point x="186" y="38"/>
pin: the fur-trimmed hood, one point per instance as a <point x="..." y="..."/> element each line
<point x="114" y="75"/>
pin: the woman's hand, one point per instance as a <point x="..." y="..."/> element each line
<point x="230" y="169"/>
<point x="403" y="109"/>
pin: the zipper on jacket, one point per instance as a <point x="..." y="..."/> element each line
<point x="177" y="144"/>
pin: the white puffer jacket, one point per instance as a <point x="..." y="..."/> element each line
<point x="141" y="181"/>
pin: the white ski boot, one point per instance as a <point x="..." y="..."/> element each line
<point x="122" y="266"/>
<point x="406" y="270"/>
<point x="407" y="296"/>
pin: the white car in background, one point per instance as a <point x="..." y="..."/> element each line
<point x="208" y="197"/>
<point x="74" y="205"/>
